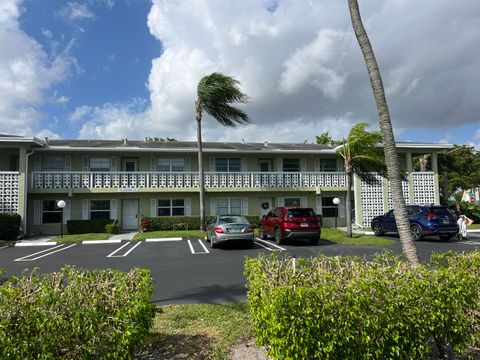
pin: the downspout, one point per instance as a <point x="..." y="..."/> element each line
<point x="25" y="190"/>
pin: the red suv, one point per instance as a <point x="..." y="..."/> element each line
<point x="291" y="223"/>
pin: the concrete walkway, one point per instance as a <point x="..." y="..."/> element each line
<point x="123" y="236"/>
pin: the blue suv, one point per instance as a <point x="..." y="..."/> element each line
<point x="432" y="220"/>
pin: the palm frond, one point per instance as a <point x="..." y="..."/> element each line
<point x="216" y="92"/>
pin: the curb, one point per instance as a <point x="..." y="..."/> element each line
<point x="35" y="243"/>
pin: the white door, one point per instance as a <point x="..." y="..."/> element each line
<point x="130" y="214"/>
<point x="266" y="204"/>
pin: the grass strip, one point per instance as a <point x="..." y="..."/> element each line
<point x="77" y="238"/>
<point x="340" y="237"/>
<point x="167" y="234"/>
<point x="198" y="331"/>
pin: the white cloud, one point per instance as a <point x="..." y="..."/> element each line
<point x="26" y="73"/>
<point x="74" y="11"/>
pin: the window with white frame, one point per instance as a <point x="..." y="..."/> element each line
<point x="51" y="214"/>
<point x="99" y="209"/>
<point x="329" y="209"/>
<point x="171" y="165"/>
<point x="171" y="207"/>
<point x="292" y="201"/>
<point x="228" y="164"/>
<point x="291" y="165"/>
<point x="99" y="164"/>
<point x="53" y="163"/>
<point x="328" y="165"/>
<point x="228" y="206"/>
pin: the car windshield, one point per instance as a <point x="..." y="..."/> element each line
<point x="232" y="220"/>
<point x="300" y="212"/>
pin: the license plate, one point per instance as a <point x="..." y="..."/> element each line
<point x="303" y="224"/>
<point x="446" y="221"/>
<point x="234" y="230"/>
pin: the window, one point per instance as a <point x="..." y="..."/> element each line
<point x="291" y="165"/>
<point x="171" y="207"/>
<point x="51" y="214"/>
<point x="99" y="164"/>
<point x="265" y="165"/>
<point x="292" y="201"/>
<point x="328" y="165"/>
<point x="228" y="165"/>
<point x="168" y="165"/>
<point x="229" y="206"/>
<point x="99" y="209"/>
<point x="53" y="163"/>
<point x="329" y="209"/>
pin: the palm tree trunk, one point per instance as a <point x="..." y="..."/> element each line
<point x="391" y="157"/>
<point x="348" y="204"/>
<point x="198" y="118"/>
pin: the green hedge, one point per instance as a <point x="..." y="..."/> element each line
<point x="182" y="222"/>
<point x="9" y="226"/>
<point x="87" y="226"/>
<point x="75" y="314"/>
<point x="344" y="308"/>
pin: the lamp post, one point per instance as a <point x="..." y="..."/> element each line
<point x="336" y="202"/>
<point x="61" y="204"/>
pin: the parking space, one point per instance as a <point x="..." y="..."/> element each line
<point x="190" y="270"/>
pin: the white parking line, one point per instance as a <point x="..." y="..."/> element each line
<point x="47" y="252"/>
<point x="164" y="239"/>
<point x="270" y="244"/>
<point x="469" y="242"/>
<point x="3" y="247"/>
<point x="112" y="254"/>
<point x="193" y="250"/>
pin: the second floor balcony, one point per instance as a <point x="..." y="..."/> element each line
<point x="183" y="180"/>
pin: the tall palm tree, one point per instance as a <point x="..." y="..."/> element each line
<point x="391" y="156"/>
<point x="215" y="94"/>
<point x="362" y="156"/>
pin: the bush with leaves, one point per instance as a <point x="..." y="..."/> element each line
<point x="99" y="314"/>
<point x="345" y="308"/>
<point x="182" y="222"/>
<point x="9" y="226"/>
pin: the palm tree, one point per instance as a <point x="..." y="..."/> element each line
<point x="362" y="156"/>
<point x="391" y="156"/>
<point x="215" y="93"/>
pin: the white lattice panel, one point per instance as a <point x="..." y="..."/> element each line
<point x="423" y="188"/>
<point x="9" y="192"/>
<point x="372" y="201"/>
<point x="405" y="194"/>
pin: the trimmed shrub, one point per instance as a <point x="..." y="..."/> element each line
<point x="75" y="314"/>
<point x="112" y="228"/>
<point x="182" y="222"/>
<point x="87" y="226"/>
<point x="344" y="308"/>
<point x="9" y="226"/>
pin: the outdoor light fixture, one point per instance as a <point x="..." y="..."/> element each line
<point x="336" y="202"/>
<point x="61" y="204"/>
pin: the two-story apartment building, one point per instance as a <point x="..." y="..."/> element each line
<point x="124" y="179"/>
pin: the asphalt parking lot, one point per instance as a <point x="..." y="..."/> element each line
<point x="189" y="271"/>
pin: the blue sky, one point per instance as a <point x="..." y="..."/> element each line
<point x="129" y="68"/>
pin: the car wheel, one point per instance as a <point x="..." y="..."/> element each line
<point x="262" y="234"/>
<point x="416" y="232"/>
<point x="378" y="229"/>
<point x="448" y="237"/>
<point x="278" y="236"/>
<point x="251" y="244"/>
<point x="314" y="241"/>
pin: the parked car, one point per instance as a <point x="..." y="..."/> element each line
<point x="432" y="220"/>
<point x="230" y="228"/>
<point x="284" y="223"/>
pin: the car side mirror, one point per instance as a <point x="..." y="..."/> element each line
<point x="264" y="216"/>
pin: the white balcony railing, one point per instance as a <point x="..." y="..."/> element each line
<point x="137" y="180"/>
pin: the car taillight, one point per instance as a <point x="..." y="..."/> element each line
<point x="219" y="230"/>
<point x="430" y="216"/>
<point x="250" y="229"/>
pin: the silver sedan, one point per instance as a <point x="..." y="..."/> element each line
<point x="230" y="228"/>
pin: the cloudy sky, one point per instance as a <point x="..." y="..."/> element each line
<point x="129" y="68"/>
